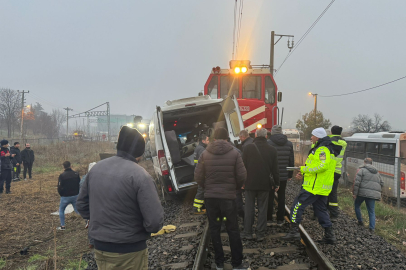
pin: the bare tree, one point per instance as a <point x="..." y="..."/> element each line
<point x="59" y="118"/>
<point x="365" y="124"/>
<point x="10" y="108"/>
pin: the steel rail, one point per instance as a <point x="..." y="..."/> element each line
<point x="317" y="256"/>
<point x="203" y="249"/>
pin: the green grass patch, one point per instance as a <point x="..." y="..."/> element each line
<point x="36" y="257"/>
<point x="390" y="221"/>
<point x="74" y="265"/>
<point x="30" y="267"/>
<point x="2" y="263"/>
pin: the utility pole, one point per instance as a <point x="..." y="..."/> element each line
<point x="67" y="119"/>
<point x="108" y="121"/>
<point x="22" y="111"/>
<point x="273" y="43"/>
<point x="315" y="106"/>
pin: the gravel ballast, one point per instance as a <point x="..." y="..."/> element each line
<point x="356" y="247"/>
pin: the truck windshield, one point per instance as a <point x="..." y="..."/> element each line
<point x="251" y="87"/>
<point x="229" y="86"/>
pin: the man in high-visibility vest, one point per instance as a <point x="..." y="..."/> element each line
<point x="199" y="198"/>
<point x="318" y="181"/>
<point x="340" y="146"/>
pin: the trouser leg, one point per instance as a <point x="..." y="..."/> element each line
<point x="300" y="203"/>
<point x="112" y="261"/>
<point x="320" y="209"/>
<point x="271" y="199"/>
<point x="357" y="204"/>
<point x="249" y="211"/>
<point x="62" y="206"/>
<point x="262" y="202"/>
<point x="332" y="198"/>
<point x="25" y="171"/>
<point x="371" y="212"/>
<point x="239" y="203"/>
<point x="18" y="171"/>
<point x="30" y="170"/>
<point x="280" y="215"/>
<point x="73" y="200"/>
<point x="229" y="210"/>
<point x="1" y="183"/>
<point x="199" y="198"/>
<point x="214" y="212"/>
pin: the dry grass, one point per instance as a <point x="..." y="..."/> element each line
<point x="25" y="219"/>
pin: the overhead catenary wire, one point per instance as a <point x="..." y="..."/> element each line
<point x="304" y="36"/>
<point x="355" y="92"/>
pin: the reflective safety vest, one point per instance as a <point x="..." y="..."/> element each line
<point x="337" y="140"/>
<point x="319" y="171"/>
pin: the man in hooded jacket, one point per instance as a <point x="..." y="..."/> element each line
<point x="318" y="178"/>
<point x="220" y="171"/>
<point x="120" y="199"/>
<point x="286" y="158"/>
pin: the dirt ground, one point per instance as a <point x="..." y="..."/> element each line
<point x="25" y="221"/>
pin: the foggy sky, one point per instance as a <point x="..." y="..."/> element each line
<point x="138" y="54"/>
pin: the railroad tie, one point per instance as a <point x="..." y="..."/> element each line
<point x="192" y="224"/>
<point x="186" y="235"/>
<point x="289" y="249"/>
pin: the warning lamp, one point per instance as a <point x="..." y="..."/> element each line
<point x="130" y="125"/>
<point x="144" y="135"/>
<point x="259" y="126"/>
<point x="244" y="69"/>
<point x="141" y="125"/>
<point x="237" y="70"/>
<point x="175" y="125"/>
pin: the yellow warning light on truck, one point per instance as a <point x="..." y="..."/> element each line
<point x="259" y="126"/>
<point x="240" y="66"/>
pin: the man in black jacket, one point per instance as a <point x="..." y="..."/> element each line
<point x="27" y="157"/>
<point x="199" y="198"/>
<point x="121" y="201"/>
<point x="68" y="189"/>
<point x="245" y="139"/>
<point x="16" y="161"/>
<point x="6" y="166"/>
<point x="286" y="158"/>
<point x="261" y="161"/>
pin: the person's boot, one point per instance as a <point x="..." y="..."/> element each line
<point x="329" y="237"/>
<point x="293" y="234"/>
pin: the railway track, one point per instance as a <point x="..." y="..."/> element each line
<point x="273" y="253"/>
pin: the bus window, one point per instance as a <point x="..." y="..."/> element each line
<point x="359" y="147"/>
<point x="269" y="90"/>
<point x="350" y="147"/>
<point x="251" y="87"/>
<point x="229" y="86"/>
<point x="372" y="148"/>
<point x="403" y="149"/>
<point x="212" y="88"/>
<point x="387" y="149"/>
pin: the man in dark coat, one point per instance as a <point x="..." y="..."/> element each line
<point x="261" y="161"/>
<point x="120" y="199"/>
<point x="245" y="139"/>
<point x="286" y="158"/>
<point x="199" y="198"/>
<point x="27" y="157"/>
<point x="221" y="172"/>
<point x="6" y="166"/>
<point x="16" y="161"/>
<point x="68" y="189"/>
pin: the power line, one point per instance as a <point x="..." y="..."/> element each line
<point x="235" y="14"/>
<point x="355" y="92"/>
<point x="305" y="35"/>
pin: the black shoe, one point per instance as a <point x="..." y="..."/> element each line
<point x="293" y="234"/>
<point x="329" y="237"/>
<point x="371" y="230"/>
<point x="333" y="219"/>
<point x="243" y="266"/>
<point x="361" y="223"/>
<point x="8" y="191"/>
<point x="220" y="266"/>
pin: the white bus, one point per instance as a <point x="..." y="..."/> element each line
<point x="387" y="150"/>
<point x="293" y="135"/>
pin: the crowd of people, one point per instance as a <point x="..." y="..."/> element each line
<point x="11" y="159"/>
<point x="118" y="198"/>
